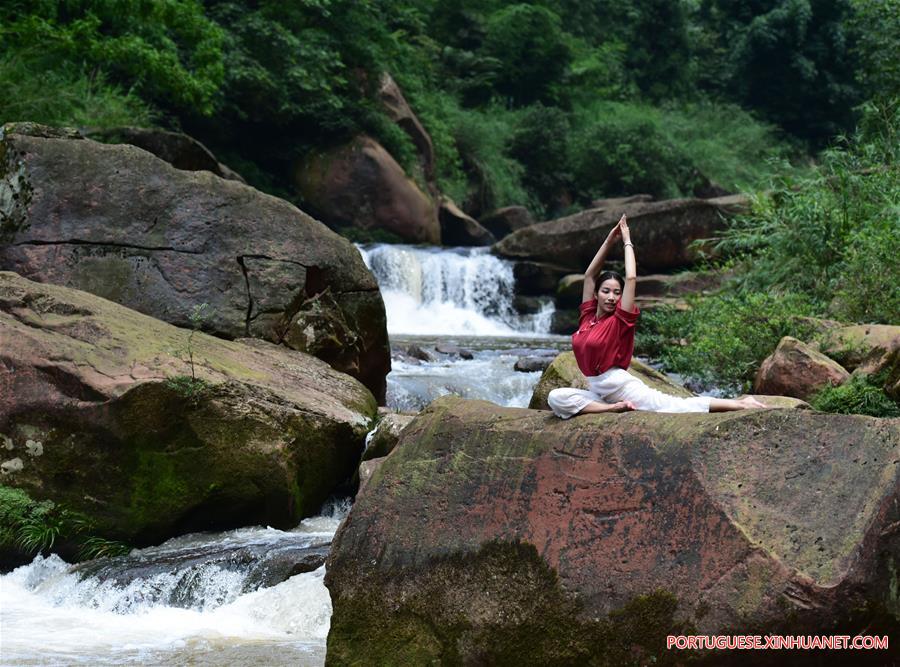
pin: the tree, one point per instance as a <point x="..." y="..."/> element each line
<point x="532" y="49"/>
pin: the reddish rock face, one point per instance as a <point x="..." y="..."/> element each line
<point x="400" y="112"/>
<point x="118" y="222"/>
<point x="502" y="536"/>
<point x="662" y="233"/>
<point x="796" y="369"/>
<point x="361" y="185"/>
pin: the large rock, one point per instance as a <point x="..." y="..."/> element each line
<point x="504" y="221"/>
<point x="360" y="185"/>
<point x="564" y="372"/>
<point x="118" y="222"/>
<point x="399" y="111"/>
<point x="97" y="405"/>
<point x="382" y="440"/>
<point x="176" y="148"/>
<point x="662" y="233"/>
<point x="537" y="278"/>
<point x="504" y="536"/>
<point x="796" y="369"/>
<point x="617" y="202"/>
<point x="459" y="229"/>
<point x="866" y="346"/>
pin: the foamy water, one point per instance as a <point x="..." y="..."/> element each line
<point x="450" y="291"/>
<point x="49" y="615"/>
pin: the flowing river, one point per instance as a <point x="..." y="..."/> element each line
<point x="256" y="596"/>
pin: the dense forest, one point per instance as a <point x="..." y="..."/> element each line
<point x="542" y="104"/>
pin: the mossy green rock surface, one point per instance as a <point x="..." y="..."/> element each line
<point x="506" y="536"/>
<point x="117" y="221"/>
<point x="89" y="408"/>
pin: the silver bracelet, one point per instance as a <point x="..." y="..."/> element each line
<point x="627" y="244"/>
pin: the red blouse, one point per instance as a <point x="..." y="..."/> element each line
<point x="601" y="344"/>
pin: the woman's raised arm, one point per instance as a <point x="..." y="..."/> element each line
<point x="593" y="269"/>
<point x="627" y="302"/>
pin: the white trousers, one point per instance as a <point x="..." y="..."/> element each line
<point x="617" y="385"/>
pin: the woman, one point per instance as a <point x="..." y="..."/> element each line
<point x="604" y="344"/>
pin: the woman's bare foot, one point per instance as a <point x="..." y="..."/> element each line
<point x="729" y="404"/>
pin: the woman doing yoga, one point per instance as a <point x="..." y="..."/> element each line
<point x="604" y="344"/>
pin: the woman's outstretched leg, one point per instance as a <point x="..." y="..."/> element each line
<point x="568" y="402"/>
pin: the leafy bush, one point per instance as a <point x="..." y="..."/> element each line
<point x="66" y="95"/>
<point x="723" y="339"/>
<point x="860" y="395"/>
<point x="169" y="50"/>
<point x="482" y="138"/>
<point x="529" y="43"/>
<point x="833" y="234"/>
<point x="622" y="149"/>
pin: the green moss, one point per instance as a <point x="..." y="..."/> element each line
<point x="500" y="606"/>
<point x="158" y="487"/>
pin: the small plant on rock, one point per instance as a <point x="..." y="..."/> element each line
<point x="190" y="386"/>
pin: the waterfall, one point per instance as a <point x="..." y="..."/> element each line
<point x="449" y="291"/>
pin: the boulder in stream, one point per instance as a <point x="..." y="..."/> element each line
<point x="796" y="369"/>
<point x="505" y="536"/>
<point x="360" y="185"/>
<point x="118" y="222"/>
<point x="662" y="232"/>
<point x="97" y="402"/>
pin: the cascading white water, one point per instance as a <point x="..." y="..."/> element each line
<point x="52" y="614"/>
<point x="449" y="291"/>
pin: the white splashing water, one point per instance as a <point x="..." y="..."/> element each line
<point x="50" y="616"/>
<point x="449" y="291"/>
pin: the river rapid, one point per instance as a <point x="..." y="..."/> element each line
<point x="225" y="598"/>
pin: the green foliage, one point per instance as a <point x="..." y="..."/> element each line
<point x="99" y="547"/>
<point x="482" y="138"/>
<point x="540" y="143"/>
<point x="622" y="149"/>
<point x="876" y="31"/>
<point x="834" y="234"/>
<point x="726" y="336"/>
<point x="65" y="96"/>
<point x="860" y="395"/>
<point x="793" y="60"/>
<point x="168" y="49"/>
<point x="529" y="43"/>
<point x="189" y="388"/>
<point x="33" y="526"/>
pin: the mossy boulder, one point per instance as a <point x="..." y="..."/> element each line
<point x="564" y="372"/>
<point x="98" y="404"/>
<point x="117" y="221"/>
<point x="663" y="233"/>
<point x="505" y="536"/>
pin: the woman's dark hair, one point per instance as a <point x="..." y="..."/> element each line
<point x="606" y="275"/>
